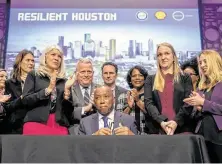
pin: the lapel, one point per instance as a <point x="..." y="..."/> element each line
<point x="177" y="91"/>
<point x="95" y="123"/>
<point x="117" y="119"/>
<point x="216" y="94"/>
<point x="18" y="88"/>
<point x="175" y="94"/>
<point x="157" y="98"/>
<point x="116" y="96"/>
<point x="78" y="93"/>
<point x="92" y="88"/>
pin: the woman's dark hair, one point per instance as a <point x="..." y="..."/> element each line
<point x="191" y="63"/>
<point x="141" y="69"/>
<point x="16" y="72"/>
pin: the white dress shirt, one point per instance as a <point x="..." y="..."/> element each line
<point x="83" y="90"/>
<point x="110" y="120"/>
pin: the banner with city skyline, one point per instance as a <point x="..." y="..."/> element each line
<point x="125" y="36"/>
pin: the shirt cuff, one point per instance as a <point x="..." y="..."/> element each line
<point x="83" y="111"/>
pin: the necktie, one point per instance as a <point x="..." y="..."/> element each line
<point x="86" y="96"/>
<point x="105" y="120"/>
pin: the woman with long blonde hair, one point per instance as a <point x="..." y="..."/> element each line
<point x="164" y="93"/>
<point x="42" y="96"/>
<point x="208" y="101"/>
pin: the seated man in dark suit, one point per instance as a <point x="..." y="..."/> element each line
<point x="106" y="121"/>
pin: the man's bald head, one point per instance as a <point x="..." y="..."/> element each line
<point x="103" y="99"/>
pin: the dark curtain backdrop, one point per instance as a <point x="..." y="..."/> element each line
<point x="211" y="25"/>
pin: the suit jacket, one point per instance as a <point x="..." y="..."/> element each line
<point x="14" y="108"/>
<point x="214" y="105"/>
<point x="76" y="102"/>
<point x="90" y="124"/>
<point x="38" y="104"/>
<point x="120" y="98"/>
<point x="153" y="107"/>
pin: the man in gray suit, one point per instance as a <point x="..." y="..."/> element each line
<point x="80" y="95"/>
<point x="109" y="75"/>
<point x="106" y="121"/>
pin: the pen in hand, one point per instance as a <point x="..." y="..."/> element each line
<point x="110" y="126"/>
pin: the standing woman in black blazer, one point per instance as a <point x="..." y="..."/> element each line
<point x="164" y="93"/>
<point x="3" y="99"/>
<point x="42" y="96"/>
<point x="24" y="63"/>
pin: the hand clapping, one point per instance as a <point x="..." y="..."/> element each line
<point x="52" y="83"/>
<point x="195" y="100"/>
<point x="4" y="98"/>
<point x="70" y="82"/>
<point x="135" y="94"/>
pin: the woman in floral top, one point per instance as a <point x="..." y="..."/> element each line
<point x="135" y="97"/>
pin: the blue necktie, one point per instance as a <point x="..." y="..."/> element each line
<point x="105" y="120"/>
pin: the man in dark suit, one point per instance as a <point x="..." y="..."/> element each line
<point x="106" y="121"/>
<point x="109" y="75"/>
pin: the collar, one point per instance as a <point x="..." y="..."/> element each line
<point x="113" y="88"/>
<point x="110" y="116"/>
<point x="83" y="88"/>
<point x="15" y="80"/>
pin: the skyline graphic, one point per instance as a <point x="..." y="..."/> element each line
<point x="129" y="40"/>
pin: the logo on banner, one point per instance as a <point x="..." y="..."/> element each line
<point x="142" y="15"/>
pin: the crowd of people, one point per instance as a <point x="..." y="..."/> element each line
<point x="178" y="99"/>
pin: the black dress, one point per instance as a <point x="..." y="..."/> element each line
<point x="140" y="117"/>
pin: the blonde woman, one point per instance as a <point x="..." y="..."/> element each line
<point x="164" y="93"/>
<point x="208" y="101"/>
<point x="42" y="95"/>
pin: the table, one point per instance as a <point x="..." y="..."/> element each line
<point x="108" y="149"/>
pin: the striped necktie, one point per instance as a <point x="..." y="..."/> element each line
<point x="86" y="96"/>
